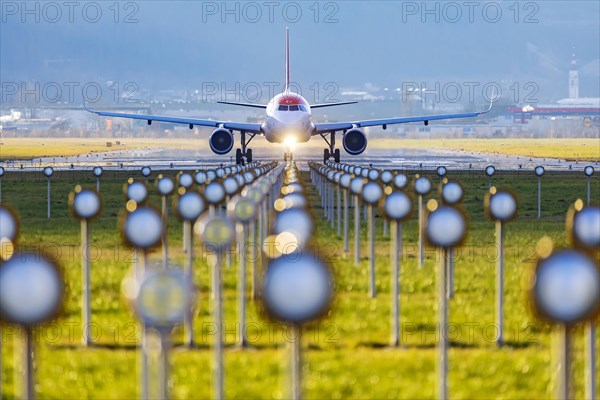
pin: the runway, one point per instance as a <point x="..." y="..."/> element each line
<point x="394" y="159"/>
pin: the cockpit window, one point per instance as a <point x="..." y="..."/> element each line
<point x="283" y="108"/>
<point x="301" y="107"/>
<point x="293" y="108"/>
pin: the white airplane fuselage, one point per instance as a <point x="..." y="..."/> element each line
<point x="288" y="119"/>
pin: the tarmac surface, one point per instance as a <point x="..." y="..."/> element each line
<point x="394" y="159"/>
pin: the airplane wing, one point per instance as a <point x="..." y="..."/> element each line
<point x="338" y="126"/>
<point x="234" y="126"/>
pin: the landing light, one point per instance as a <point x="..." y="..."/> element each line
<point x="290" y="141"/>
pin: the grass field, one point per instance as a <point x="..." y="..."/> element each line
<point x="347" y="354"/>
<point x="570" y="149"/>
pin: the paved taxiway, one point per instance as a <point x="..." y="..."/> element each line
<point x="409" y="159"/>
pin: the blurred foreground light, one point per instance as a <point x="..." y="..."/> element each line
<point x="215" y="231"/>
<point x="400" y="181"/>
<point x="452" y="193"/>
<point x="386" y="177"/>
<point x="185" y="180"/>
<point x="501" y="205"/>
<point x="397" y="206"/>
<point x="296" y="221"/>
<point x="446" y="227"/>
<point x="297" y="288"/>
<point x="165" y="186"/>
<point x="85" y="204"/>
<point x="190" y="205"/>
<point x="566" y="287"/>
<point x="242" y="209"/>
<point x="584" y="227"/>
<point x="163" y="298"/>
<point x="143" y="228"/>
<point x="371" y="193"/>
<point x="231" y="185"/>
<point x="9" y="224"/>
<point x="422" y="185"/>
<point x="200" y="177"/>
<point x="31" y="289"/>
<point x="214" y="192"/>
<point x="136" y="191"/>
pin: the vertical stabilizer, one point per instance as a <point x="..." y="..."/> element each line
<point x="286" y="86"/>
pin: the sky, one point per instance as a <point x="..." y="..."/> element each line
<point x="185" y="45"/>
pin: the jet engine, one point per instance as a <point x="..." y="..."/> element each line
<point x="354" y="141"/>
<point x="221" y="141"/>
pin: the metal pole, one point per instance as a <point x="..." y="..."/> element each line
<point x="165" y="248"/>
<point x="420" y="244"/>
<point x="371" y="230"/>
<point x="396" y="250"/>
<point x="140" y="268"/>
<point x="28" y="385"/>
<point x="450" y="287"/>
<point x="539" y="197"/>
<point x="1" y="367"/>
<point x="48" y="198"/>
<point x="590" y="361"/>
<point x="253" y="251"/>
<point x="385" y="227"/>
<point x="296" y="364"/>
<point x="588" y="190"/>
<point x="259" y="242"/>
<point x="443" y="321"/>
<point x="98" y="185"/>
<point x="331" y="204"/>
<point x="242" y="287"/>
<point x="564" y="368"/>
<point x="356" y="231"/>
<point x="339" y="210"/>
<point x="265" y="225"/>
<point x="188" y="320"/>
<point x="324" y="200"/>
<point x="346" y="246"/>
<point x="164" y="367"/>
<point x="85" y="264"/>
<point x="218" y="318"/>
<point x="500" y="283"/>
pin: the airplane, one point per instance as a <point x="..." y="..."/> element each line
<point x="288" y="121"/>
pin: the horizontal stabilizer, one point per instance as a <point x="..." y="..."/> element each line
<point x="332" y="104"/>
<point x="242" y="104"/>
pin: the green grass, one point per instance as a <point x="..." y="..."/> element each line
<point x="346" y="353"/>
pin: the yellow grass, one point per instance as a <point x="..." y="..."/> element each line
<point x="570" y="149"/>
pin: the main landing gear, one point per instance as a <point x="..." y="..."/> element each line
<point x="244" y="152"/>
<point x="331" y="151"/>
